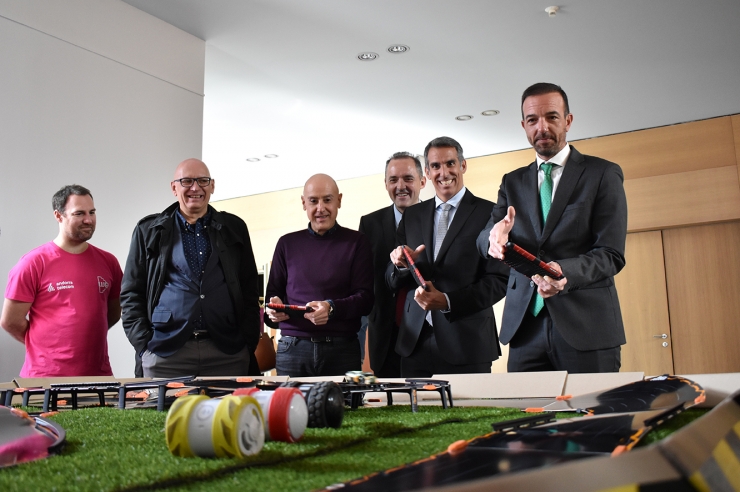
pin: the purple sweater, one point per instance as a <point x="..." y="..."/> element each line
<point x="336" y="266"/>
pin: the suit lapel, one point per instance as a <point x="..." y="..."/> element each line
<point x="427" y="228"/>
<point x="529" y="185"/>
<point x="568" y="181"/>
<point x="388" y="226"/>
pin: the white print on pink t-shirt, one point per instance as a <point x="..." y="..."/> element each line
<point x="102" y="284"/>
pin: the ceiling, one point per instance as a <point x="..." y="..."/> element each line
<point x="282" y="76"/>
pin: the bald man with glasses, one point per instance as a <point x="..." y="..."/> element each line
<point x="190" y="288"/>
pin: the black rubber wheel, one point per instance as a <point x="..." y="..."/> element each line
<point x="325" y="402"/>
<point x="291" y="384"/>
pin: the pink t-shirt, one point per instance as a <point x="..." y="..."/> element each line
<point x="68" y="324"/>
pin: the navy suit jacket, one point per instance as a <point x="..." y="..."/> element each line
<point x="380" y="228"/>
<point x="585" y="233"/>
<point x="467" y="334"/>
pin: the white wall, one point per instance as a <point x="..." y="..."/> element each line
<point x="98" y="93"/>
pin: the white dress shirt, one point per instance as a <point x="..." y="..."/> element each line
<point x="560" y="159"/>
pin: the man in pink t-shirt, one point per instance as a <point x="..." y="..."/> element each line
<point x="63" y="296"/>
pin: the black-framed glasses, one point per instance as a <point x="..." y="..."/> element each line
<point x="188" y="182"/>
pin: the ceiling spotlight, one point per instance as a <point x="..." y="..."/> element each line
<point x="398" y="48"/>
<point x="367" y="56"/>
<point x="490" y="112"/>
<point x="253" y="159"/>
<point x="270" y="156"/>
<point x="464" y="117"/>
<point x="551" y="11"/>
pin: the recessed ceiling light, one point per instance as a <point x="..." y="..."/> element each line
<point x="490" y="112"/>
<point x="398" y="48"/>
<point x="253" y="159"/>
<point x="270" y="156"/>
<point x="464" y="117"/>
<point x="367" y="56"/>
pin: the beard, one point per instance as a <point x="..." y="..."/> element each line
<point x="548" y="149"/>
<point x="82" y="235"/>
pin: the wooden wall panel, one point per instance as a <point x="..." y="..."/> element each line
<point x="484" y="174"/>
<point x="736" y="135"/>
<point x="670" y="149"/>
<point x="694" y="197"/>
<point x="644" y="302"/>
<point x="701" y="271"/>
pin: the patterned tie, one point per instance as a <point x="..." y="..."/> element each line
<point x="441" y="228"/>
<point x="545" y="201"/>
<point x="546" y="191"/>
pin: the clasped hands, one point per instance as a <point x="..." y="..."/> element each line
<point x="319" y="315"/>
<point x="430" y="299"/>
<point x="497" y="239"/>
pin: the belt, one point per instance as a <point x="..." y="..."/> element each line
<point x="200" y="335"/>
<point x="327" y="339"/>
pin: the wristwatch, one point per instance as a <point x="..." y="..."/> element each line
<point x="331" y="308"/>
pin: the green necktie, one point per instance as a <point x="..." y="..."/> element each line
<point x="545" y="201"/>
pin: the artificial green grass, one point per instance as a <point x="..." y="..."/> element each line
<point x="110" y="449"/>
<point x="675" y="423"/>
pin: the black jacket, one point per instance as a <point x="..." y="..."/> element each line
<point x="147" y="263"/>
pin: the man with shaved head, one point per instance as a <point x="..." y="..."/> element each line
<point x="330" y="269"/>
<point x="190" y="293"/>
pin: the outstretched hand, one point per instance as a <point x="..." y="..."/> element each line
<point x="500" y="235"/>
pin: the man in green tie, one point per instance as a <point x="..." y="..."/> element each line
<point x="570" y="210"/>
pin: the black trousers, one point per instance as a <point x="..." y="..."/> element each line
<point x="391" y="367"/>
<point x="427" y="359"/>
<point x="538" y="346"/>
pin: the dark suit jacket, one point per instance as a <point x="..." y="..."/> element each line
<point x="467" y="334"/>
<point x="585" y="233"/>
<point x="380" y="228"/>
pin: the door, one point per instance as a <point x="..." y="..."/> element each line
<point x="641" y="287"/>
<point x="703" y="278"/>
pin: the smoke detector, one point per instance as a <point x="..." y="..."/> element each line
<point x="551" y="11"/>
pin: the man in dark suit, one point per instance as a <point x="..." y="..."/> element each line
<point x="404" y="180"/>
<point x="448" y="328"/>
<point x="579" y="224"/>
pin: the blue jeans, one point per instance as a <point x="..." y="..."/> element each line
<point x="304" y="358"/>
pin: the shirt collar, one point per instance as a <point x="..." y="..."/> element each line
<point x="397" y="214"/>
<point x="327" y="233"/>
<point x="202" y="221"/>
<point x="558" y="159"/>
<point x="454" y="201"/>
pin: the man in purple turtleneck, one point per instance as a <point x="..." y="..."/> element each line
<point x="330" y="269"/>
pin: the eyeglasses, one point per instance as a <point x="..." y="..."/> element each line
<point x="188" y="182"/>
